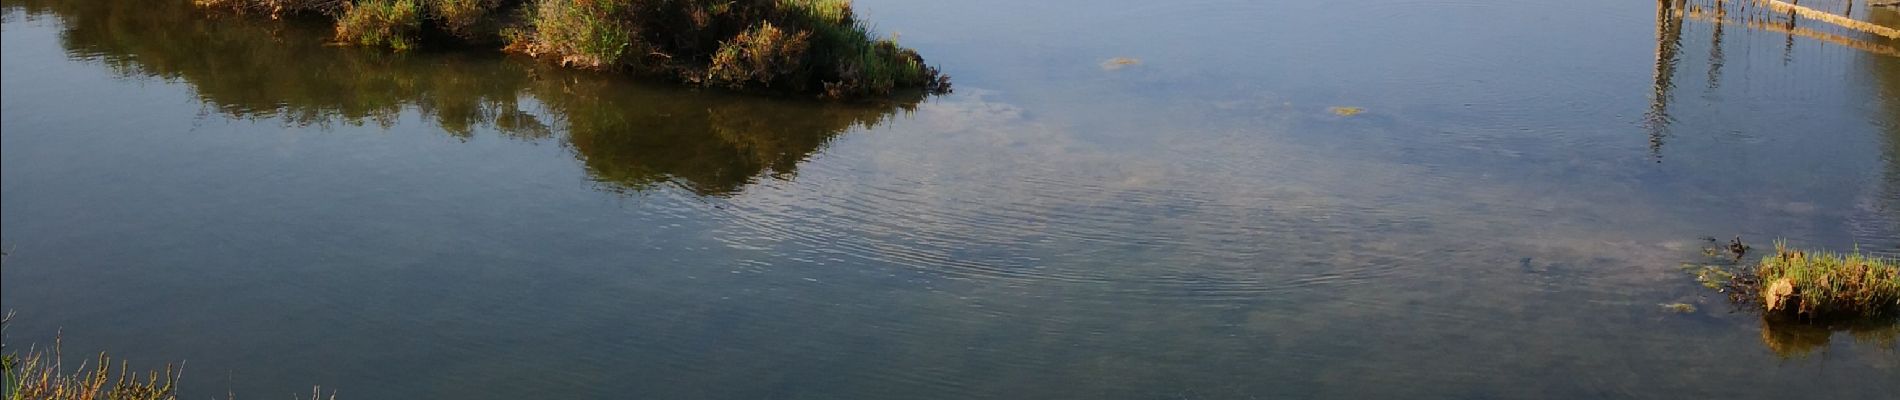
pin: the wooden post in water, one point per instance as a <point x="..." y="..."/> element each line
<point x="1720" y="17"/>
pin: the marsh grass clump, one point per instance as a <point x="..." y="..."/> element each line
<point x="758" y="55"/>
<point x="276" y="8"/>
<point x="39" y="376"/>
<point x="1805" y="297"/>
<point x="1809" y="285"/>
<point x="583" y="33"/>
<point x="1823" y="284"/>
<point x="461" y="17"/>
<point x="392" y="23"/>
<point x="396" y="24"/>
<point x="811" y="46"/>
<point x="795" y="46"/>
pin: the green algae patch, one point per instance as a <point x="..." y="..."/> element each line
<point x="1713" y="277"/>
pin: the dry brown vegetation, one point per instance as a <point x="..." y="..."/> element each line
<point x="37" y="375"/>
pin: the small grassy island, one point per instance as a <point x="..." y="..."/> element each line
<point x="1811" y="285"/>
<point x="1827" y="285"/>
<point x="796" y="46"/>
<point x="1803" y="297"/>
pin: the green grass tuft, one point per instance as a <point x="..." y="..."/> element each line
<point x="584" y="33"/>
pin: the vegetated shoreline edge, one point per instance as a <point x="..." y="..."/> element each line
<point x="794" y="47"/>
<point x="1810" y="285"/>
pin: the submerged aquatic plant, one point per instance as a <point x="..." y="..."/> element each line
<point x="1118" y="63"/>
<point x="1714" y="277"/>
<point x="1679" y="308"/>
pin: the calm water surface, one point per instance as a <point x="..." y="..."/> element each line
<point x="1501" y="221"/>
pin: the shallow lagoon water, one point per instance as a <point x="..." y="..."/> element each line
<point x="1502" y="219"/>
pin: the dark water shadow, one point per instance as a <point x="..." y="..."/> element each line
<point x="631" y="136"/>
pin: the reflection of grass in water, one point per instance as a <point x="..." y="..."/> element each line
<point x="627" y="136"/>
<point x="1794" y="339"/>
<point x="711" y="147"/>
<point x="1679" y="308"/>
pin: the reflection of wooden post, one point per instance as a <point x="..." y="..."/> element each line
<point x="1787" y="46"/>
<point x="1715" y="45"/>
<point x="1668" y="41"/>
